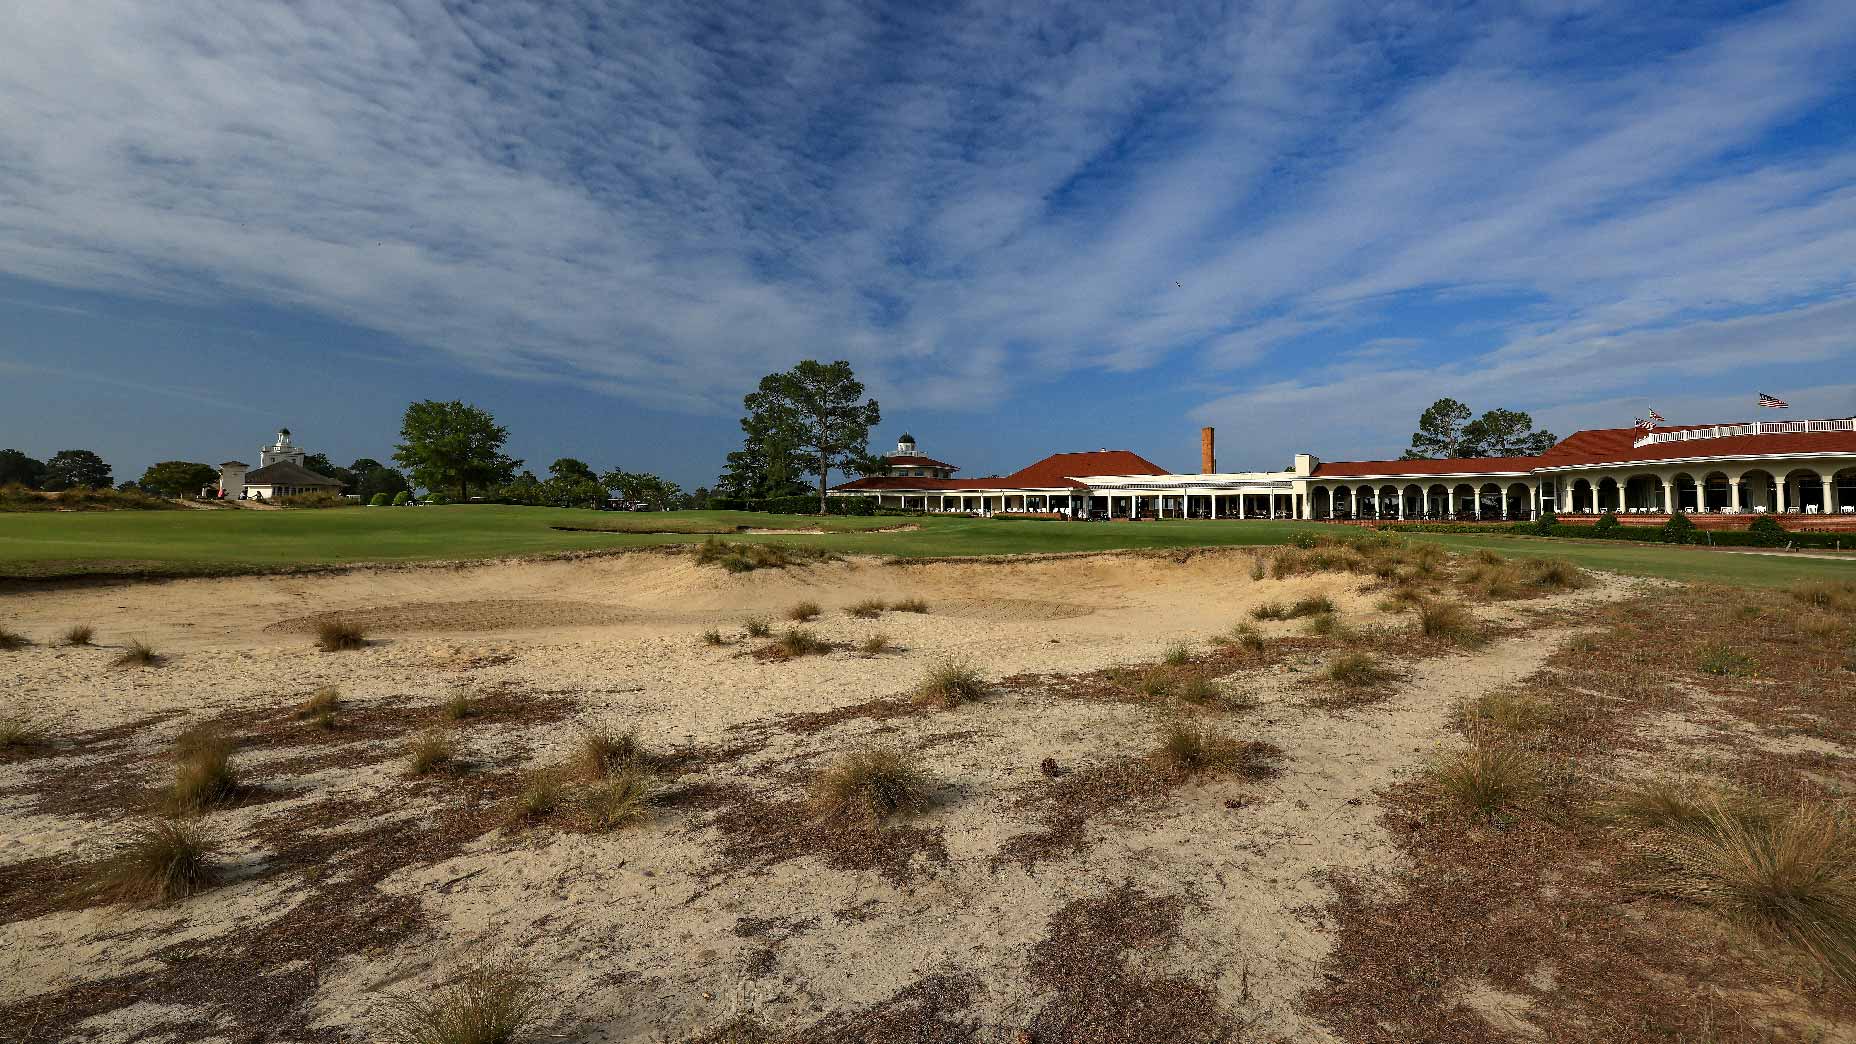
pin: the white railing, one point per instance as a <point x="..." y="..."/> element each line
<point x="1721" y="431"/>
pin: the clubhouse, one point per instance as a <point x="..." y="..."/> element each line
<point x="1729" y="473"/>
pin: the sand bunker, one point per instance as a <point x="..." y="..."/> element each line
<point x="349" y="880"/>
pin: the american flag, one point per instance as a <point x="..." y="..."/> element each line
<point x="1655" y="418"/>
<point x="1773" y="401"/>
<point x="1644" y="425"/>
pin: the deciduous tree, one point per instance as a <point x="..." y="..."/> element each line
<point x="179" y="478"/>
<point x="77" y="469"/>
<point x="16" y="467"/>
<point x="452" y="444"/>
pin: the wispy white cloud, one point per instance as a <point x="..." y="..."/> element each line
<point x="665" y="200"/>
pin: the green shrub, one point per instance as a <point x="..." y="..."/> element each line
<point x="402" y="498"/>
<point x="1721" y="660"/>
<point x="379" y="500"/>
<point x="1767" y="531"/>
<point x="1607" y="524"/>
<point x="1678" y="530"/>
<point x="1542" y="525"/>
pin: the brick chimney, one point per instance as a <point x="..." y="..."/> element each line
<point x="1208" y="459"/>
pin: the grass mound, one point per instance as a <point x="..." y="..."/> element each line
<point x="159" y="862"/>
<point x="1839" y="596"/>
<point x="757" y="627"/>
<point x="11" y="639"/>
<point x="1312" y="605"/>
<point x="339" y="634"/>
<point x="797" y="641"/>
<point x="876" y="645"/>
<point x="908" y="605"/>
<point x="747" y="557"/>
<point x="622" y="799"/>
<point x="870" y="784"/>
<point x="803" y="612"/>
<point x="1243" y="638"/>
<point x="951" y="683"/>
<point x="1511" y="712"/>
<point x="868" y="609"/>
<point x="79" y="634"/>
<point x="482" y="1003"/>
<point x="22" y="731"/>
<point x="602" y="754"/>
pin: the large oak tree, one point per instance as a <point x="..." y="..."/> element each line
<point x="447" y="444"/>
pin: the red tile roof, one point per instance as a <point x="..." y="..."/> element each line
<point x="911" y="460"/>
<point x="1614" y="446"/>
<point x="1445" y="466"/>
<point x="1056" y="471"/>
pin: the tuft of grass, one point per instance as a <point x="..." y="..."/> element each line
<point x="322" y="701"/>
<point x="1358" y="671"/>
<point x="203" y="776"/>
<point x="797" y="641"/>
<point x="602" y="754"/>
<point x="1269" y="611"/>
<point x="431" y="751"/>
<point x="1242" y="637"/>
<point x="876" y="645"/>
<point x="1509" y="711"/>
<point x="459" y="706"/>
<point x="1258" y="570"/>
<point x="757" y="627"/>
<point x="11" y="639"/>
<point x="1487" y="777"/>
<point x="1313" y="605"/>
<point x="1450" y="622"/>
<point x="908" y="605"/>
<point x="1555" y="574"/>
<point x="79" y="634"/>
<point x="1156" y="681"/>
<point x="1839" y="596"/>
<point x="623" y="799"/>
<point x="160" y="861"/>
<point x="138" y="653"/>
<point x="22" y="731"/>
<point x="1676" y="804"/>
<point x="1200" y="690"/>
<point x="1327" y="625"/>
<point x="483" y="1002"/>
<point x="1790" y="872"/>
<point x="868" y="609"/>
<point x="1178" y="654"/>
<point x="870" y="784"/>
<point x="339" y="634"/>
<point x="951" y="683"/>
<point x="1484" y="556"/>
<point x="1189" y="748"/>
<point x="804" y="612"/>
<point x="540" y="796"/>
<point x="1724" y="661"/>
<point x="713" y="636"/>
<point x="1402" y="598"/>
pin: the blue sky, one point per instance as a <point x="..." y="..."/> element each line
<point x="1031" y="229"/>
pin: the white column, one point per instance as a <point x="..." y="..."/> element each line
<point x="1214" y="503"/>
<point x="1669" y="496"/>
<point x="1733" y="492"/>
<point x="1401" y="504"/>
<point x="1830" y="493"/>
<point x="1241" y="514"/>
<point x="1785" y="500"/>
<point x="1450" y="501"/>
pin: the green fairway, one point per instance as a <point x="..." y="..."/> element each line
<point x="226" y="541"/>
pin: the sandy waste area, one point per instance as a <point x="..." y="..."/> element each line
<point x="346" y="881"/>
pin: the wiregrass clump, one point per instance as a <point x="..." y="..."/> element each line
<point x="1357" y="670"/>
<point x="870" y="784"/>
<point x="797" y="641"/>
<point x="79" y="634"/>
<point x="203" y="776"/>
<point x="138" y="653"/>
<point x="431" y="751"/>
<point x="1838" y="596"/>
<point x="875" y="645"/>
<point x="622" y="799"/>
<point x="1790" y="872"/>
<point x="11" y="639"/>
<point x="908" y="605"/>
<point x="158" y="862"/>
<point x="868" y="609"/>
<point x="1189" y="748"/>
<point x="1243" y="638"/>
<point x="459" y="706"/>
<point x="22" y="731"/>
<point x="1450" y="622"/>
<point x="713" y="636"/>
<point x="1725" y="661"/>
<point x="1508" y="711"/>
<point x="757" y="627"/>
<point x="1310" y="605"/>
<point x="803" y="612"/>
<point x="747" y="557"/>
<point x="339" y="634"/>
<point x="1487" y="777"/>
<point x="602" y="754"/>
<point x="952" y="683"/>
<point x="483" y="1002"/>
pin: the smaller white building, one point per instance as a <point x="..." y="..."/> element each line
<point x="280" y="473"/>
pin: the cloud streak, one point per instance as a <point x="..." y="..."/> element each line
<point x="663" y="202"/>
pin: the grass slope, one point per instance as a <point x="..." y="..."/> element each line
<point x="210" y="542"/>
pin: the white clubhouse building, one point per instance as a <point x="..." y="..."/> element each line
<point x="280" y="473"/>
<point x="1796" y="468"/>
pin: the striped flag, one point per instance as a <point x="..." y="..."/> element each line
<point x="1642" y="425"/>
<point x="1655" y="418"/>
<point x="1773" y="401"/>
